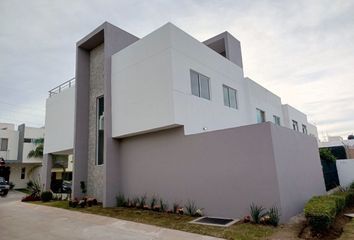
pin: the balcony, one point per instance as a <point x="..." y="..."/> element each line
<point x="68" y="84"/>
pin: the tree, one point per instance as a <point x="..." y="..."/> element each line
<point x="38" y="151"/>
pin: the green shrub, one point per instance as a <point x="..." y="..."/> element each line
<point x="256" y="212"/>
<point x="121" y="202"/>
<point x="274" y="216"/>
<point x="191" y="208"/>
<point x="320" y="212"/>
<point x="340" y="202"/>
<point x="46" y="196"/>
<point x="352" y="186"/>
<point x="326" y="155"/>
<point x="142" y="201"/>
<point x="348" y="195"/>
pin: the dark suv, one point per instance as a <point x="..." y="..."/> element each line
<point x="4" y="187"/>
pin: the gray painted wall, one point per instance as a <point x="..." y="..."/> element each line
<point x="298" y="167"/>
<point x="222" y="171"/>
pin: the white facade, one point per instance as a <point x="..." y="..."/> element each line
<point x="151" y="90"/>
<point x="59" y="122"/>
<point x="22" y="168"/>
<point x="9" y="134"/>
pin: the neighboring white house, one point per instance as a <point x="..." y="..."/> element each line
<point x="14" y="148"/>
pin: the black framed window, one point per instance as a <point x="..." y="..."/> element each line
<point x="23" y="173"/>
<point x="100" y="131"/>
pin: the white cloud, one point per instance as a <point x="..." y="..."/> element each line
<point x="301" y="50"/>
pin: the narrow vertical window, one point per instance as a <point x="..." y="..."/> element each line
<point x="304" y="128"/>
<point x="230" y="97"/>
<point x="200" y="85"/>
<point x="276" y="120"/>
<point x="100" y="131"/>
<point x="295" y="126"/>
<point x="23" y="173"/>
<point x="4" y="144"/>
<point x="260" y="116"/>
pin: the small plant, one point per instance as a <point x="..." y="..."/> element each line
<point x="82" y="203"/>
<point x="256" y="213"/>
<point x="326" y="155"/>
<point x="46" y="196"/>
<point x="153" y="202"/>
<point x="191" y="208"/>
<point x="142" y="201"/>
<point x="34" y="188"/>
<point x="163" y="205"/>
<point x="247" y="219"/>
<point x="135" y="202"/>
<point x="175" y="207"/>
<point x="274" y="216"/>
<point x="199" y="213"/>
<point x="121" y="202"/>
<point x="83" y="187"/>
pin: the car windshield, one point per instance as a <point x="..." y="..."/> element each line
<point x="2" y="179"/>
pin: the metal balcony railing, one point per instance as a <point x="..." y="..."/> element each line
<point x="68" y="84"/>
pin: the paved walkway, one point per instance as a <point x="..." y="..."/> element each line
<point x="24" y="221"/>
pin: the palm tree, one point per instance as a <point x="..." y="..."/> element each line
<point x="38" y="151"/>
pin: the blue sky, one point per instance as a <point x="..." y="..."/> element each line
<point x="301" y="50"/>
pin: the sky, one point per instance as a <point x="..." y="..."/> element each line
<point x="301" y="50"/>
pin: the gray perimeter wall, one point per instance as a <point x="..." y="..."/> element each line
<point x="223" y="171"/>
<point x="299" y="169"/>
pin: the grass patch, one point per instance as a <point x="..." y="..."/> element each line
<point x="179" y="222"/>
<point x="348" y="231"/>
<point x="23" y="190"/>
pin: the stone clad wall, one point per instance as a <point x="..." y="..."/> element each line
<point x="95" y="173"/>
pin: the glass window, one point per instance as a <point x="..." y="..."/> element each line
<point x="200" y="85"/>
<point x="27" y="140"/>
<point x="100" y="130"/>
<point x="195" y="83"/>
<point x="260" y="116"/>
<point x="230" y="97"/>
<point x="204" y="87"/>
<point x="295" y="126"/>
<point x="23" y="173"/>
<point x="304" y="128"/>
<point x="276" y="120"/>
<point x="4" y="144"/>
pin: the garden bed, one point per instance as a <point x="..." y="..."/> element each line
<point x="242" y="231"/>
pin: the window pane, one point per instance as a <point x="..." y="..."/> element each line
<point x="260" y="116"/>
<point x="100" y="131"/>
<point x="4" y="144"/>
<point x="194" y="83"/>
<point x="226" y="96"/>
<point x="232" y="97"/>
<point x="204" y="87"/>
<point x="276" y="120"/>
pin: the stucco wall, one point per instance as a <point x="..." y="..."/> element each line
<point x="59" y="121"/>
<point x="12" y="136"/>
<point x="32" y="173"/>
<point x="298" y="168"/>
<point x="95" y="176"/>
<point x="224" y="171"/>
<point x="345" y="168"/>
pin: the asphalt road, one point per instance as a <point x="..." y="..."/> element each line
<point x="25" y="221"/>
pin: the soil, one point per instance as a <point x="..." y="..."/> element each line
<point x="298" y="229"/>
<point x="333" y="232"/>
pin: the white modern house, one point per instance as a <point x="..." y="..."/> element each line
<point x="15" y="144"/>
<point x="172" y="116"/>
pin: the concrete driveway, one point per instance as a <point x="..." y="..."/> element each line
<point x="28" y="221"/>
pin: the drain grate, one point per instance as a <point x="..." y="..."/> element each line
<point x="215" y="221"/>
